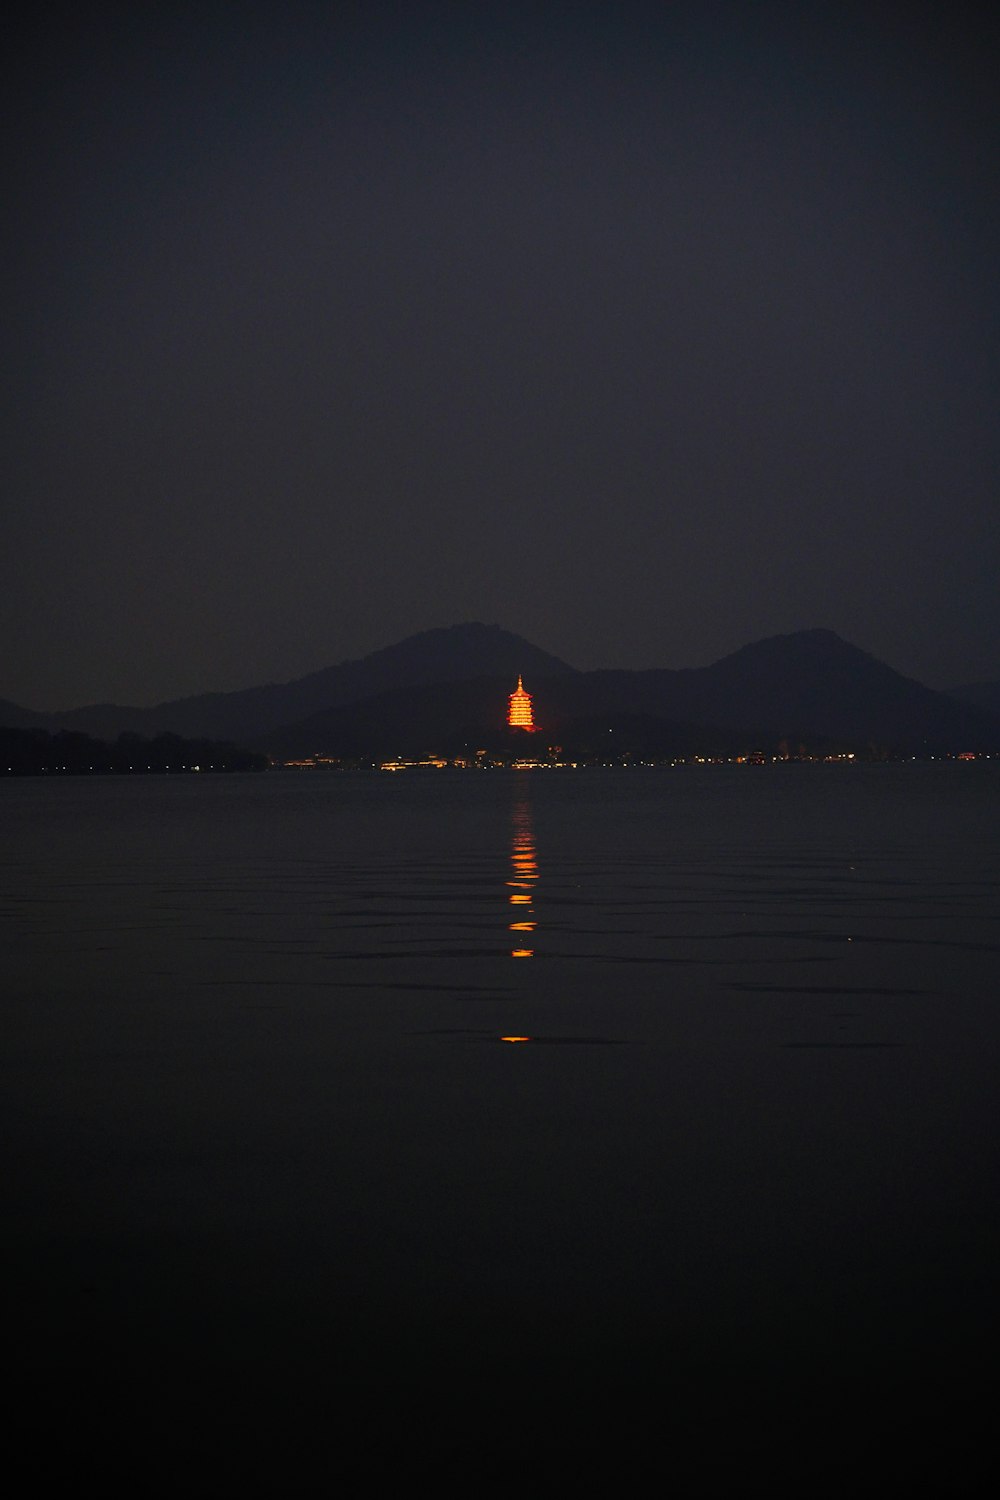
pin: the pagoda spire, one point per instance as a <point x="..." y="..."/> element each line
<point x="519" y="714"/>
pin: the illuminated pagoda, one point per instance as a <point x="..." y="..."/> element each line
<point x="519" y="712"/>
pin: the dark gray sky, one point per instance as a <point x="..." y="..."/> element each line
<point x="642" y="330"/>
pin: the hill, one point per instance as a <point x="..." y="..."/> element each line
<point x="815" y="682"/>
<point x="982" y="694"/>
<point x="452" y="654"/>
<point x="35" y="752"/>
<point x="13" y="716"/>
<point x="442" y="689"/>
<point x="811" y="685"/>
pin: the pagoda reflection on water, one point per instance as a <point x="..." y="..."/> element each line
<point x="523" y="875"/>
<point x="519" y="714"/>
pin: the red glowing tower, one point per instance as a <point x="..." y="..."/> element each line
<point x="519" y="712"/>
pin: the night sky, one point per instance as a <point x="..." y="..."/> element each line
<point x="642" y="330"/>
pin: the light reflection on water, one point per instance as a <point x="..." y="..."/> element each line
<point x="524" y="872"/>
<point x="304" y="879"/>
<point x="258" y="1019"/>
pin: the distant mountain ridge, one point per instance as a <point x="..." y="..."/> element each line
<point x="13" y="716"/>
<point x="450" y="654"/>
<point x="810" y="684"/>
<point x="447" y="686"/>
<point x="982" y="694"/>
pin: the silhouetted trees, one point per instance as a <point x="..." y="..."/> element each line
<point x="33" y="752"/>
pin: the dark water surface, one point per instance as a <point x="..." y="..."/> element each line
<point x="275" y="1186"/>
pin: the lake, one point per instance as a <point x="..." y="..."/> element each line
<point x="472" y="1119"/>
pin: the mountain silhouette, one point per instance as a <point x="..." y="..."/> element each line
<point x="442" y="689"/>
<point x="13" y="716"/>
<point x="983" y="694"/>
<point x="808" y="685"/>
<point x="452" y="654"/>
<point x="813" y="681"/>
